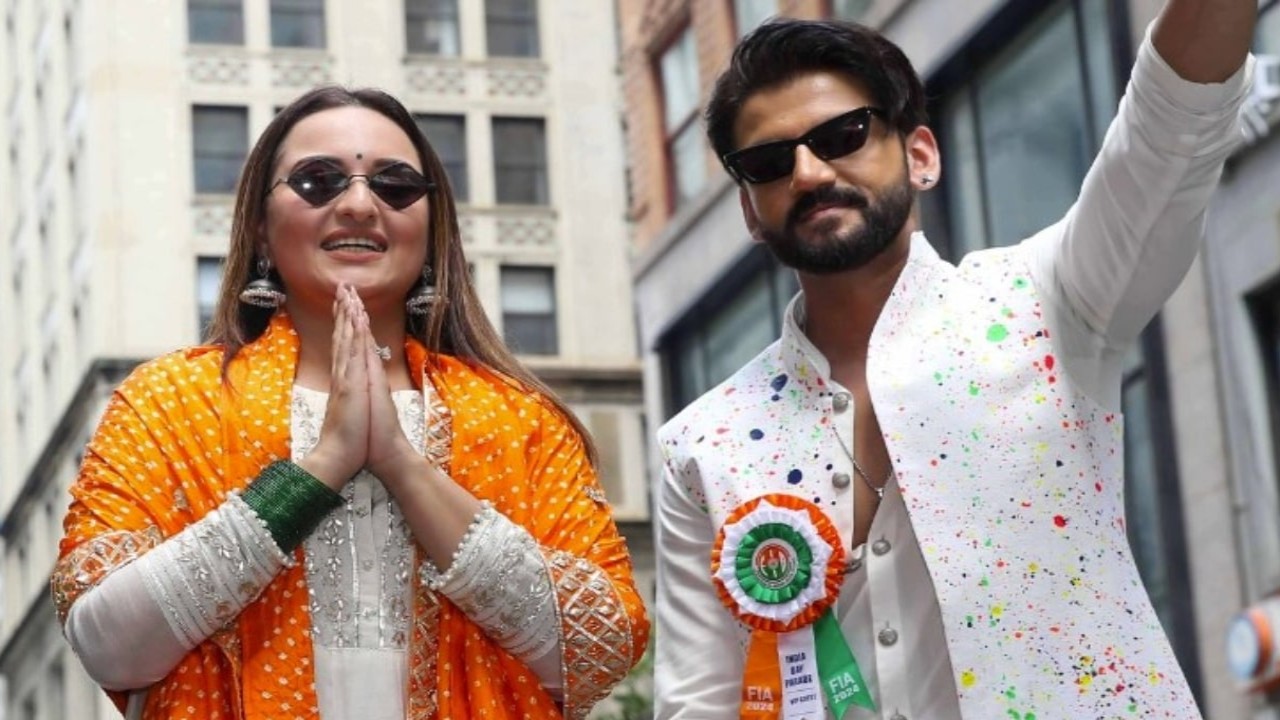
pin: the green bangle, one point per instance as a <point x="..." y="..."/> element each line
<point x="291" y="501"/>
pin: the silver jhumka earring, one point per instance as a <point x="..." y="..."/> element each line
<point x="424" y="296"/>
<point x="263" y="292"/>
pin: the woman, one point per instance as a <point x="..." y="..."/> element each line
<point x="353" y="501"/>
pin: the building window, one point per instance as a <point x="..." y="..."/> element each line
<point x="219" y="22"/>
<point x="22" y="381"/>
<point x="850" y="9"/>
<point x="520" y="161"/>
<point x="431" y="27"/>
<point x="748" y="14"/>
<point x="52" y="514"/>
<point x="1141" y="483"/>
<point x="78" y="325"/>
<point x="1040" y="103"/>
<point x="730" y="325"/>
<point x="49" y="376"/>
<point x="71" y="41"/>
<point x="529" y="310"/>
<point x="1267" y="37"/>
<point x="686" y="162"/>
<point x="511" y="28"/>
<point x="220" y="136"/>
<point x="448" y="136"/>
<point x="208" y="283"/>
<point x="1264" y="305"/>
<point x="1039" y="107"/>
<point x="297" y="23"/>
<point x="23" y="564"/>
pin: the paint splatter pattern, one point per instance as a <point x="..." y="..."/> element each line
<point x="1013" y="479"/>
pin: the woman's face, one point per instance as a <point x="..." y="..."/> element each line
<point x="356" y="237"/>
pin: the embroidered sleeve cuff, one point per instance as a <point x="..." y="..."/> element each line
<point x="205" y="575"/>
<point x="256" y="536"/>
<point x="432" y="577"/>
<point x="499" y="579"/>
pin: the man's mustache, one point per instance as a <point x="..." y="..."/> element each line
<point x="829" y="195"/>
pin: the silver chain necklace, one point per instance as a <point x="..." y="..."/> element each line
<point x="859" y="553"/>
<point x="879" y="491"/>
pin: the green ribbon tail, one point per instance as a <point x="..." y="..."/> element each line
<point x="837" y="669"/>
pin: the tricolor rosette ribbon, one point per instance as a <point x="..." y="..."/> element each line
<point x="777" y="565"/>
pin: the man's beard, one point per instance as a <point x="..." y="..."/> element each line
<point x="835" y="252"/>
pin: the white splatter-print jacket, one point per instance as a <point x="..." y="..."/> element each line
<point x="996" y="385"/>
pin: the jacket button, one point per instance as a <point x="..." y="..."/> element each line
<point x="841" y="480"/>
<point x="887" y="637"/>
<point x="840" y="402"/>
<point x="880" y="547"/>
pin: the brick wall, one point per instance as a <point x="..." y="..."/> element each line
<point x="647" y="28"/>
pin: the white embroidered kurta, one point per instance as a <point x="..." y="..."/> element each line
<point x="997" y="581"/>
<point x="359" y="564"/>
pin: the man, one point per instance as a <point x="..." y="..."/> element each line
<point x="950" y="436"/>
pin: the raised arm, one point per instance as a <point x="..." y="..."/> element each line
<point x="1205" y="41"/>
<point x="1111" y="263"/>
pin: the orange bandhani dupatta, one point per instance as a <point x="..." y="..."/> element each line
<point x="175" y="440"/>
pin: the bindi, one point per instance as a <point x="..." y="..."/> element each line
<point x="359" y="156"/>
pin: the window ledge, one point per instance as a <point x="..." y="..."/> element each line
<point x="203" y="199"/>
<point x="217" y="48"/>
<point x="515" y="63"/>
<point x="300" y="53"/>
<point x="423" y="58"/>
<point x="506" y="209"/>
<point x="559" y="368"/>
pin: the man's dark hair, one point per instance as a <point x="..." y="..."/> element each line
<point x="784" y="48"/>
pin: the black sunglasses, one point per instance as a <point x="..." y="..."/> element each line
<point x="318" y="182"/>
<point x="835" y="138"/>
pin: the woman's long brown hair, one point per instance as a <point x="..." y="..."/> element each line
<point x="456" y="324"/>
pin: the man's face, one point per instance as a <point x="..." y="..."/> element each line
<point x="831" y="215"/>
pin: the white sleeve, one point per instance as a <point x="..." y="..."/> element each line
<point x="500" y="579"/>
<point x="697" y="659"/>
<point x="134" y="627"/>
<point x="1123" y="248"/>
